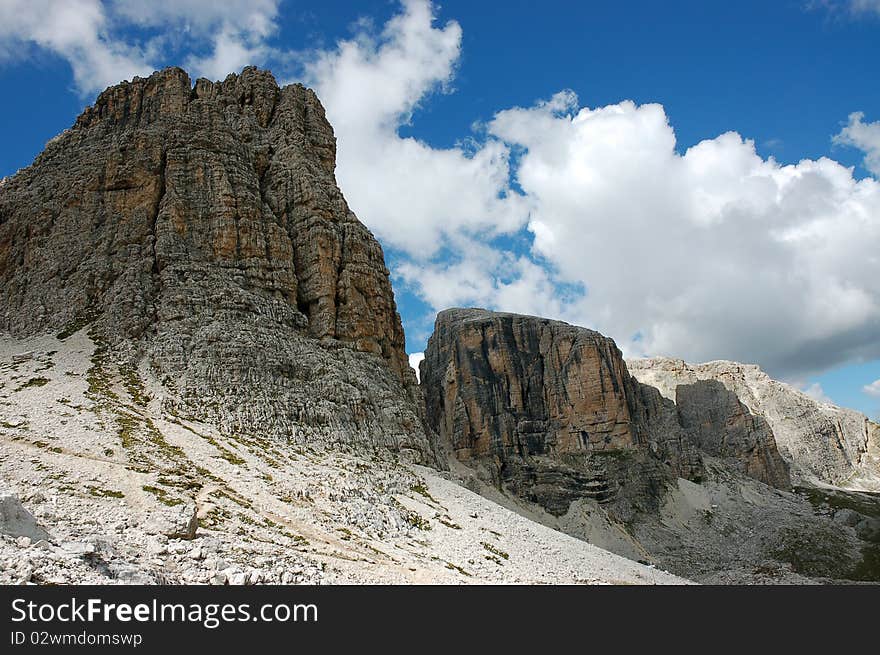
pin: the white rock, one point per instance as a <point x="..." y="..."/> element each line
<point x="78" y="548"/>
<point x="177" y="522"/>
<point x="821" y="442"/>
<point x="238" y="579"/>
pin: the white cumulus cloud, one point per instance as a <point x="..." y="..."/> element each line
<point x="414" y="360"/>
<point x="817" y="393"/>
<point x="236" y="30"/>
<point x="76" y="30"/>
<point x="865" y="137"/>
<point x="712" y="253"/>
<point x="96" y="37"/>
<point x="865" y="6"/>
<point x="872" y="389"/>
<point x="415" y="197"/>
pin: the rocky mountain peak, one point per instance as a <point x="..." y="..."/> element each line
<point x="201" y="227"/>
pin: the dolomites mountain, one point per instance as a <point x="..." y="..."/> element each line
<point x="202" y="370"/>
<point x="203" y="380"/>
<point x="540" y="403"/>
<point x="201" y="228"/>
<point x="549" y="418"/>
<point x="821" y="442"/>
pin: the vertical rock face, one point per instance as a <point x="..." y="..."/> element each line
<point x="551" y="411"/>
<point x="546" y="408"/>
<point x="821" y="443"/>
<point x="204" y="225"/>
<point x="720" y="425"/>
<point x="506" y="385"/>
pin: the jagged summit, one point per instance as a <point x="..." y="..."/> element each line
<point x="201" y="226"/>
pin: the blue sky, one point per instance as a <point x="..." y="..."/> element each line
<point x="491" y="148"/>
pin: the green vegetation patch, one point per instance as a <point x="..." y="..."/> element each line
<point x="495" y="551"/>
<point x="77" y="324"/>
<point x="422" y="490"/>
<point x="105" y="493"/>
<point x="862" y="502"/>
<point x="162" y="495"/>
<point x="34" y="382"/>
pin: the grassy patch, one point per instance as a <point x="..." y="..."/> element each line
<point x="820" y="553"/>
<point x="454" y="567"/>
<point x="105" y="493"/>
<point x="77" y="324"/>
<point x="868" y="570"/>
<point x="185" y="483"/>
<point x="495" y="551"/>
<point x="298" y="539"/>
<point x="422" y="490"/>
<point x="134" y="386"/>
<point x="858" y="501"/>
<point x="449" y="524"/>
<point x="413" y="519"/>
<point x="127" y="426"/>
<point x="34" y="382"/>
<point x="98" y="379"/>
<point x="162" y="495"/>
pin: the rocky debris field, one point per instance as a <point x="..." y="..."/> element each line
<point x="91" y="454"/>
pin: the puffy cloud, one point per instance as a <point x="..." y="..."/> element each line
<point x="865" y="137"/>
<point x="231" y="51"/>
<point x="817" y="393"/>
<point x="865" y="6"/>
<point x="414" y="360"/>
<point x="480" y="275"/>
<point x="714" y="253"/>
<point x="851" y="8"/>
<point x="236" y="30"/>
<point x="254" y="17"/>
<point x="97" y="41"/>
<point x="415" y="197"/>
<point x="872" y="389"/>
<point x="76" y="30"/>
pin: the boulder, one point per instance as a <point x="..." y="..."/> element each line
<point x="16" y="521"/>
<point x="175" y="522"/>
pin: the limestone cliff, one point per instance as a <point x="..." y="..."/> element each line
<point x="201" y="226"/>
<point x="821" y="442"/>
<point x="547" y="410"/>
